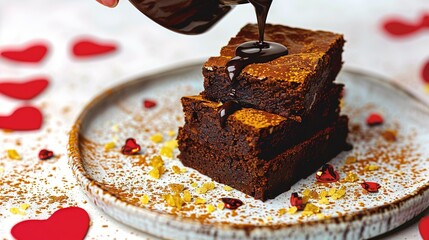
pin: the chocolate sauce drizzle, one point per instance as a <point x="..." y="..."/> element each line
<point x="255" y="51"/>
<point x="227" y="109"/>
<point x="248" y="53"/>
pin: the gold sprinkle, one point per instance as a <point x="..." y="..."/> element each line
<point x="292" y="210"/>
<point x="176" y="188"/>
<point x="351" y="177"/>
<point x="157" y="138"/>
<point x="17" y="211"/>
<point x="320" y="216"/>
<point x="156" y="161"/>
<point x="187" y="196"/>
<point x="201" y="190"/>
<point x="350" y="160"/>
<point x="209" y="186"/>
<point x="24" y="206"/>
<point x="176" y="169"/>
<point x="307" y="213"/>
<point x="282" y="211"/>
<point x="166" y="152"/>
<point x="332" y="191"/>
<point x="183" y="170"/>
<point x="210" y="208"/>
<point x="221" y="206"/>
<point x="109" y="146"/>
<point x="171" y="144"/>
<point x="371" y="168"/>
<point x="323" y="193"/>
<point x="194" y="184"/>
<point x="200" y="201"/>
<point x="339" y="193"/>
<point x="306" y="192"/>
<point x="171" y="133"/>
<point x="155" y="173"/>
<point x="13" y="154"/>
<point x="227" y="188"/>
<point x="144" y="199"/>
<point x="324" y="200"/>
<point x="269" y="218"/>
<point x="312" y="208"/>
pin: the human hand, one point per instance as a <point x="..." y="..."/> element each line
<point x="109" y="3"/>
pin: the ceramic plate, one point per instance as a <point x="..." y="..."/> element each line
<point x="392" y="154"/>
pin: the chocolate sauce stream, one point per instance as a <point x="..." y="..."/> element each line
<point x="258" y="51"/>
<point x="227" y="109"/>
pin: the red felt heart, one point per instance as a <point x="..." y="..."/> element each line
<point x="84" y="48"/>
<point x="70" y="223"/>
<point x="425" y="72"/>
<point x="424" y="228"/>
<point x="25" y="90"/>
<point x="398" y="27"/>
<point x="30" y="54"/>
<point x="22" y="119"/>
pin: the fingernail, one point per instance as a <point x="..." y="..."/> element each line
<point x="108" y="3"/>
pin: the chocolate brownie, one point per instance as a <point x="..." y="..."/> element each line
<point x="252" y="132"/>
<point x="285" y="86"/>
<point x="260" y="178"/>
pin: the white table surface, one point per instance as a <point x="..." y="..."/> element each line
<point x="144" y="47"/>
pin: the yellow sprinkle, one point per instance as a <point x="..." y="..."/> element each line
<point x="156" y="161"/>
<point x="194" y="184"/>
<point x="350" y="160"/>
<point x="351" y="177"/>
<point x="292" y="210"/>
<point x="178" y="202"/>
<point x="210" y="208"/>
<point x="339" y="193"/>
<point x="155" y="173"/>
<point x="307" y="213"/>
<point x="200" y="201"/>
<point x="144" y="199"/>
<point x="187" y="196"/>
<point x="171" y="144"/>
<point x="13" y="154"/>
<point x="170" y="200"/>
<point x="109" y="146"/>
<point x="323" y="193"/>
<point x="332" y="191"/>
<point x="320" y="216"/>
<point x="209" y="186"/>
<point x="183" y="170"/>
<point x="269" y="218"/>
<point x="306" y="192"/>
<point x="24" y="206"/>
<point x="171" y="133"/>
<point x="282" y="211"/>
<point x="324" y="200"/>
<point x="176" y="169"/>
<point x="16" y="211"/>
<point x="115" y="128"/>
<point x="176" y="188"/>
<point x="221" y="206"/>
<point x="157" y="138"/>
<point x="311" y="207"/>
<point x="201" y="190"/>
<point x="372" y="167"/>
<point x="166" y="152"/>
<point x="227" y="188"/>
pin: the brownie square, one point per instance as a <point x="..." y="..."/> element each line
<point x="252" y="132"/>
<point x="260" y="178"/>
<point x="286" y="86"/>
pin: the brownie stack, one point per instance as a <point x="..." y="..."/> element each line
<point x="290" y="123"/>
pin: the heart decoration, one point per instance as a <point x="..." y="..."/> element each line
<point x="25" y="90"/>
<point x="425" y="73"/>
<point x="70" y="223"/>
<point x="86" y="48"/>
<point x="399" y="27"/>
<point x="33" y="53"/>
<point x="22" y="119"/>
<point x="424" y="228"/>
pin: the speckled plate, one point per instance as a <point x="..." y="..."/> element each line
<point x="393" y="155"/>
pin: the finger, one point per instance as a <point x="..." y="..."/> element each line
<point x="109" y="3"/>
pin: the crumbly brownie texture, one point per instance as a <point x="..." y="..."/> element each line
<point x="287" y="85"/>
<point x="260" y="178"/>
<point x="250" y="132"/>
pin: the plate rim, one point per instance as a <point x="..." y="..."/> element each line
<point x="96" y="192"/>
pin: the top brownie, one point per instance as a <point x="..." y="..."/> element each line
<point x="288" y="85"/>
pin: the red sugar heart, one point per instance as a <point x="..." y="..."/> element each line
<point x="425" y="72"/>
<point x="147" y="103"/>
<point x="398" y="27"/>
<point x="374" y="119"/>
<point x="25" y="90"/>
<point x="85" y="47"/>
<point x="131" y="147"/>
<point x="70" y="223"/>
<point x="33" y="53"/>
<point x="22" y="119"/>
<point x="371" y="186"/>
<point x="327" y="174"/>
<point x="424" y="228"/>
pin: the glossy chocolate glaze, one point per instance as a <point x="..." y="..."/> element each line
<point x="227" y="109"/>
